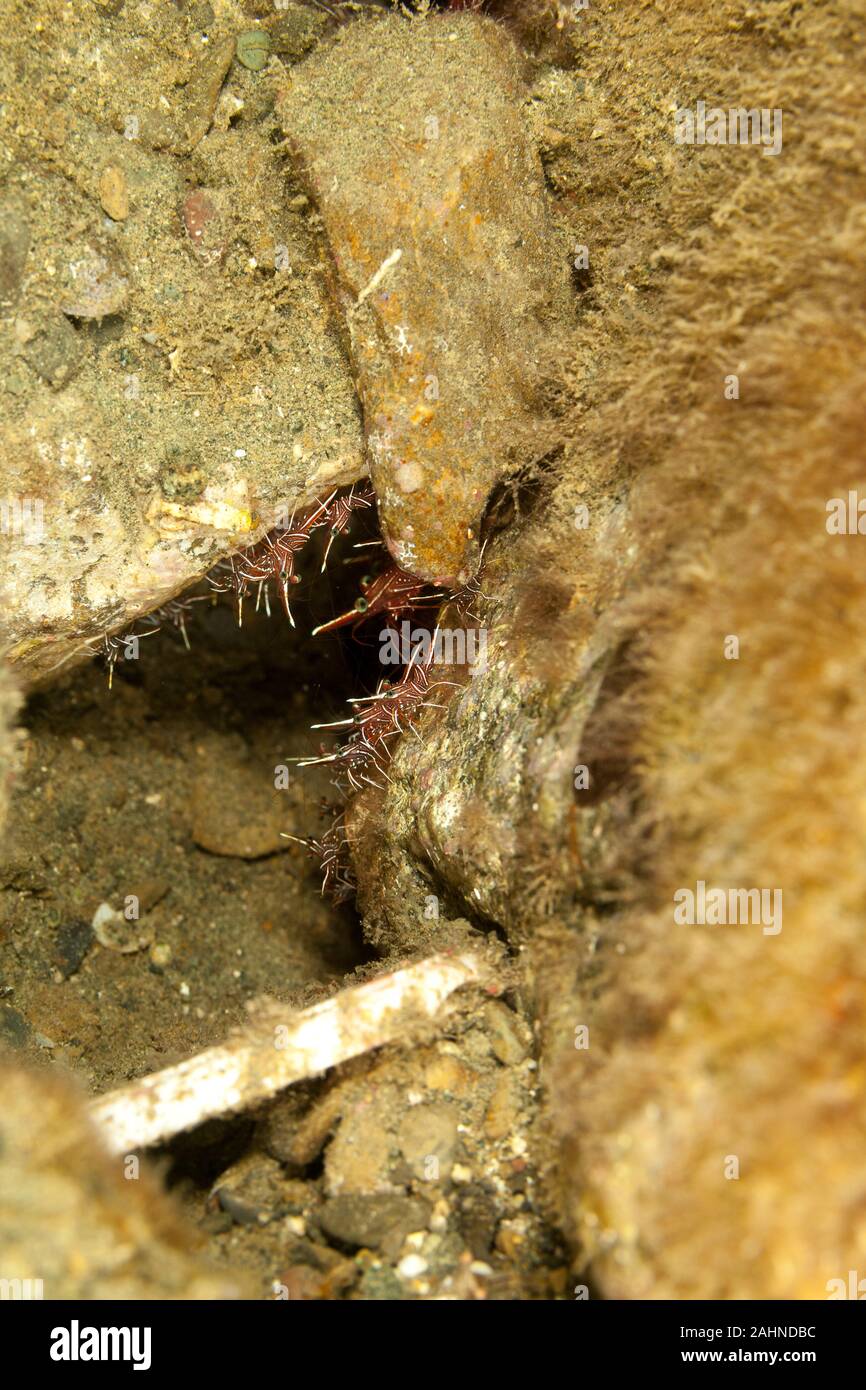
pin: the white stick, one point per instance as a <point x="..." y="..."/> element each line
<point x="387" y="265"/>
<point x="280" y="1048"/>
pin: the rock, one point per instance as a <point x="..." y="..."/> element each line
<point x="380" y="1222"/>
<point x="255" y="1191"/>
<point x="113" y="192"/>
<point x="22" y="876"/>
<point x="71" y="945"/>
<point x="502" y="1112"/>
<point x="449" y="280"/>
<point x="182" y="128"/>
<point x="202" y="92"/>
<point x="412" y="1266"/>
<point x="253" y="47"/>
<point x="96" y="287"/>
<point x="294" y="1131"/>
<point x="428" y="1138"/>
<point x="160" y="956"/>
<point x="296" y="31"/>
<point x="359" y="1156"/>
<point x="112" y="545"/>
<point x="477" y="1215"/>
<point x="205" y="216"/>
<point x="510" y="1037"/>
<point x="443" y="1252"/>
<point x="116" y="932"/>
<point x="68" y="1218"/>
<point x="87" y="411"/>
<point x="447" y="1073"/>
<point x="50" y="345"/>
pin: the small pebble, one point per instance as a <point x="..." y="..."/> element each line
<point x="509" y="1036"/>
<point x="253" y="48"/>
<point x="96" y="288"/>
<point x="203" y="217"/>
<point x="439" y="1219"/>
<point x="113" y="931"/>
<point x="113" y="194"/>
<point x="71" y="944"/>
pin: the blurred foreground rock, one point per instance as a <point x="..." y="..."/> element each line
<point x="87" y="1226"/>
<point x="672" y="697"/>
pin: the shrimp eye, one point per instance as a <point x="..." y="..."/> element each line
<point x="284" y="574"/>
<point x="361" y="605"/>
<point x="366" y="581"/>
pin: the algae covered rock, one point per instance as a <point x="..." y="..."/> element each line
<point x="412" y="139"/>
<point x="166" y="387"/>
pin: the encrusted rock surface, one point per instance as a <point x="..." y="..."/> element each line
<point x="450" y="277"/>
<point x="164" y="396"/>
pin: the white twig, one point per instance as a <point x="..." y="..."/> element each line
<point x="278" y="1049"/>
<point x="386" y="266"/>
